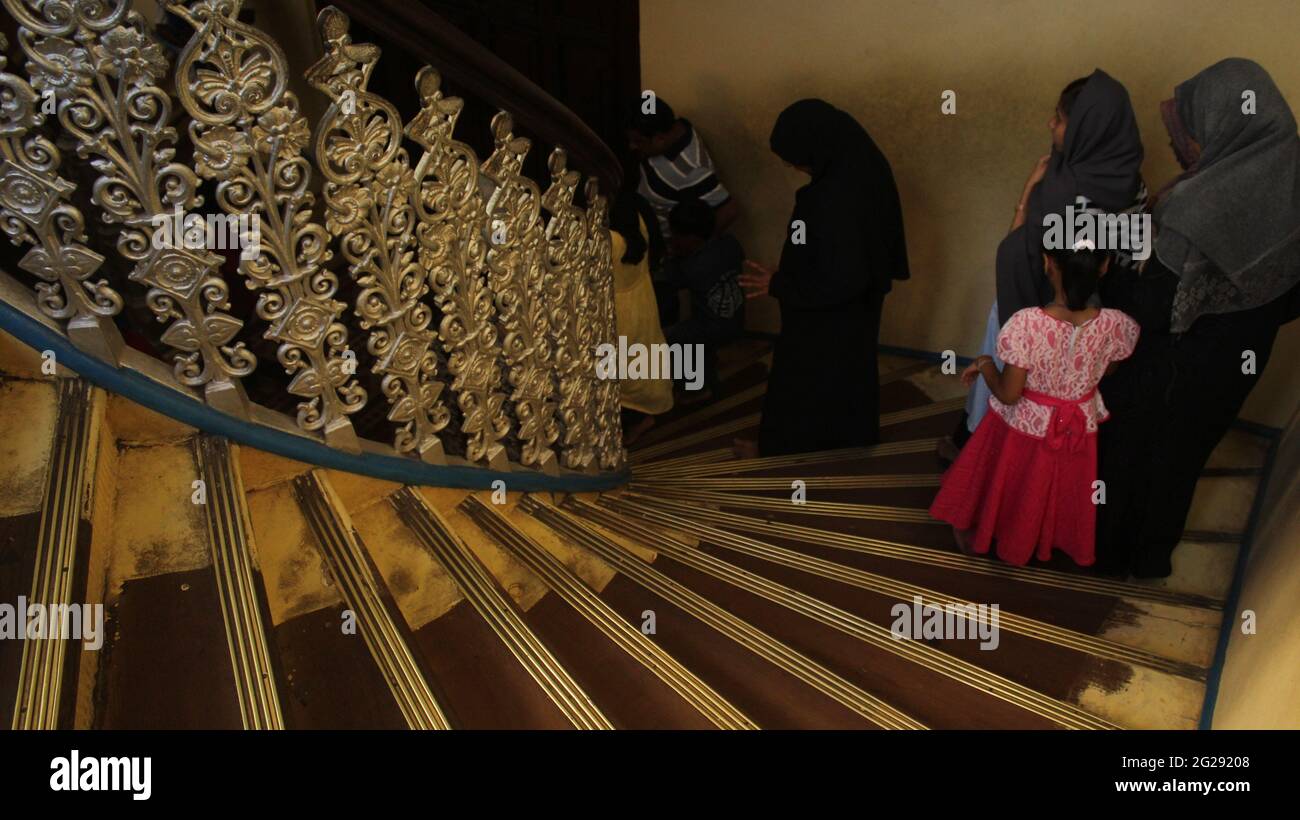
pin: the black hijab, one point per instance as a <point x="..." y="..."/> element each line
<point x="1230" y="227"/>
<point x="852" y="197"/>
<point x="1101" y="160"/>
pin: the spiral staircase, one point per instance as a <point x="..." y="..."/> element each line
<point x="499" y="561"/>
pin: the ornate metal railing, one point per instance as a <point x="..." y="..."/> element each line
<point x="481" y="298"/>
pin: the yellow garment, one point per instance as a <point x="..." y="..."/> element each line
<point x="636" y="314"/>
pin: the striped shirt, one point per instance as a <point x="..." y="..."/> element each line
<point x="684" y="171"/>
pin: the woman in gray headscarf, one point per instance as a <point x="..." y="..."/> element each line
<point x="1222" y="281"/>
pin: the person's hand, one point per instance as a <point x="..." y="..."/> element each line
<point x="972" y="371"/>
<point x="1040" y="170"/>
<point x="755" y="279"/>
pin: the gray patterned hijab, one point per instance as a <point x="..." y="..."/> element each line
<point x="1230" y="227"/>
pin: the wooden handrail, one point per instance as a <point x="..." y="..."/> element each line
<point x="432" y="39"/>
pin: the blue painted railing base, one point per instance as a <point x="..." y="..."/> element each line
<point x="157" y="397"/>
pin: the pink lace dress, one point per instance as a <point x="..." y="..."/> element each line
<point x="1026" y="477"/>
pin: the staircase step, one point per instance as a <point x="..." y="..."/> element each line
<point x="586" y="626"/>
<point x="42" y="695"/>
<point x="497" y="609"/>
<point x="377" y="621"/>
<point x="855" y="700"/>
<point x="924" y="555"/>
<point x="239" y="585"/>
<point x="947" y="679"/>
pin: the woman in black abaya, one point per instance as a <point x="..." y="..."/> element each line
<point x="843" y="250"/>
<point x="1222" y="280"/>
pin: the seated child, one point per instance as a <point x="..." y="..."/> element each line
<point x="1025" y="479"/>
<point x="709" y="267"/>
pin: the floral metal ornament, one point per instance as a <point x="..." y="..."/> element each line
<point x="34" y="210"/>
<point x="368" y="191"/>
<point x="609" y="431"/>
<point x="568" y="300"/>
<point x="96" y="60"/>
<point x="248" y="135"/>
<point x="516" y="269"/>
<point x="453" y="234"/>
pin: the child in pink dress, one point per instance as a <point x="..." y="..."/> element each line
<point x="1026" y="478"/>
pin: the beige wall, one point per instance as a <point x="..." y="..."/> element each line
<point x="1260" y="688"/>
<point x="732" y="65"/>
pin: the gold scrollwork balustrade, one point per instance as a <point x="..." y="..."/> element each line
<point x="368" y="196"/>
<point x="248" y="135"/>
<point x="35" y="211"/>
<point x="457" y="267"/>
<point x="100" y="65"/>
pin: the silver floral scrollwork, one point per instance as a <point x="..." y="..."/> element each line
<point x="568" y="298"/>
<point x="516" y="276"/>
<point x="609" y="435"/>
<point x="35" y="211"/>
<point x="367" y="192"/>
<point x="453" y="235"/>
<point x="248" y="135"/>
<point x="96" y="59"/>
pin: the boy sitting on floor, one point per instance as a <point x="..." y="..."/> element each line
<point x="709" y="266"/>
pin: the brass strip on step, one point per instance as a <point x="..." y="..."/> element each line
<point x="832" y="509"/>
<point x="899" y="373"/>
<point x="494" y="606"/>
<point x="563" y="582"/>
<point x="931" y="556"/>
<point x="719" y="407"/>
<point x="692" y="419"/>
<point x="230" y="540"/>
<point x="692" y="460"/>
<point x="925" y="411"/>
<point x="40" y="675"/>
<point x="742" y="632"/>
<point x="348" y="563"/>
<point x="1065" y="714"/>
<point x="826" y="482"/>
<point x="902" y="591"/>
<point x="802" y="459"/>
<point x="749" y="465"/>
<point x="647" y="454"/>
<point x="672" y="445"/>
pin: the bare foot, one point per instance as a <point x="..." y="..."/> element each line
<point x="744" y="448"/>
<point x="638" y="430"/>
